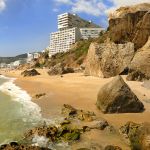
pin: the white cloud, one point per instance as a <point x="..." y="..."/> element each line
<point x="97" y="7"/>
<point x="94" y="7"/>
<point x="120" y="3"/>
<point x="64" y="2"/>
<point x="55" y="10"/>
<point x="2" y="5"/>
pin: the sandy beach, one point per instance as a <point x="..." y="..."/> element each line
<point x="79" y="91"/>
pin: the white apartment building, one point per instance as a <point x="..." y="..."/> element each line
<point x="87" y="33"/>
<point x="68" y="20"/>
<point x="16" y="63"/>
<point x="71" y="28"/>
<point x="32" y="56"/>
<point x="3" y="65"/>
<point x="62" y="40"/>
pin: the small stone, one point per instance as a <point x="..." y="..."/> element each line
<point x="111" y="147"/>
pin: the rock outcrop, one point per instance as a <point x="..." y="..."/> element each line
<point x="54" y="134"/>
<point x="30" y="73"/>
<point x="112" y="147"/>
<point x="140" y="65"/>
<point x="17" y="146"/>
<point x="117" y="97"/>
<point x="108" y="59"/>
<point x="59" y="69"/>
<point x="82" y="115"/>
<point x="137" y="135"/>
<point x="130" y="24"/>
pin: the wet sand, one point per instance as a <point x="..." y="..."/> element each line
<point x="79" y="91"/>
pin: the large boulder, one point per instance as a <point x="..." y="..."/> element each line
<point x="140" y="65"/>
<point x="59" y="69"/>
<point x="30" y="73"/>
<point x="117" y="97"/>
<point x="130" y="24"/>
<point x="56" y="70"/>
<point x="108" y="59"/>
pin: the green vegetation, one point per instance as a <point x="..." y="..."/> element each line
<point x="73" y="58"/>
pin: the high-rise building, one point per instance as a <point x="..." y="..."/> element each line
<point x="71" y="28"/>
<point x="68" y="20"/>
<point x="62" y="40"/>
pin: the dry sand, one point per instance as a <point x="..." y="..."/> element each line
<point x="79" y="91"/>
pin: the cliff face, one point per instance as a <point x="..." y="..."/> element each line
<point x="108" y="59"/>
<point x="140" y="65"/>
<point x="128" y="32"/>
<point x="130" y="24"/>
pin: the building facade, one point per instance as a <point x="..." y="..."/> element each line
<point x="62" y="40"/>
<point x="87" y="33"/>
<point x="32" y="56"/>
<point x="71" y="28"/>
<point x="3" y="65"/>
<point x="68" y="20"/>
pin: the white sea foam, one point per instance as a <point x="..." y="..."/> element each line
<point x="45" y="142"/>
<point x="40" y="141"/>
<point x="30" y="110"/>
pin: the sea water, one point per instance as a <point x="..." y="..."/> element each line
<point x="17" y="112"/>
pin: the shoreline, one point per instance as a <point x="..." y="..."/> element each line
<point x="17" y="107"/>
<point x="80" y="92"/>
<point x="18" y="94"/>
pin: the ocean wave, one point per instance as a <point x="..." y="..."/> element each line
<point x="30" y="111"/>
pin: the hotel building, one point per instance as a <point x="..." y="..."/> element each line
<point x="71" y="28"/>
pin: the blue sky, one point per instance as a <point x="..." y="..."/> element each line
<point x="25" y="25"/>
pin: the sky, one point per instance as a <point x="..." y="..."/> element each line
<point x="25" y="25"/>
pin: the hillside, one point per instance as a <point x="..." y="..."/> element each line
<point x="8" y="60"/>
<point x="74" y="58"/>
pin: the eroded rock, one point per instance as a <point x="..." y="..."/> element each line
<point x="29" y="73"/>
<point x="140" y="65"/>
<point x="112" y="147"/>
<point x="130" y="24"/>
<point x="17" y="146"/>
<point x="108" y="59"/>
<point x="82" y="115"/>
<point x="54" y="134"/>
<point x="137" y="135"/>
<point x="59" y="69"/>
<point x="117" y="97"/>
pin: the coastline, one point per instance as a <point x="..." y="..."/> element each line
<point x="79" y="91"/>
<point x="18" y="112"/>
<point x="18" y="94"/>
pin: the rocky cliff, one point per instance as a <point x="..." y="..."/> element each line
<point x="129" y="30"/>
<point x="108" y="59"/>
<point x="140" y="65"/>
<point x="130" y="24"/>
